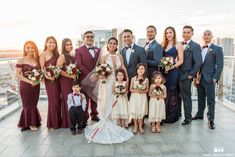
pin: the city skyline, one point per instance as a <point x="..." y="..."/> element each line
<point x="24" y="20"/>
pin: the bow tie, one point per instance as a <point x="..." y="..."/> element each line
<point x="76" y="94"/>
<point x="128" y="47"/>
<point x="147" y="43"/>
<point x="206" y="46"/>
<point x="91" y="48"/>
<point x="184" y="43"/>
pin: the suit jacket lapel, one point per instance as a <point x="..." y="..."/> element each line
<point x="189" y="45"/>
<point x="208" y="51"/>
<point x="87" y="51"/>
<point x="124" y="56"/>
<point x="153" y="42"/>
<point x="133" y="50"/>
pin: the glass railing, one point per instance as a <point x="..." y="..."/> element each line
<point x="9" y="84"/>
<point x="9" y="91"/>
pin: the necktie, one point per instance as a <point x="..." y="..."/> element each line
<point x="206" y="46"/>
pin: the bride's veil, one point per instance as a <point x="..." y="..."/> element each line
<point x="90" y="82"/>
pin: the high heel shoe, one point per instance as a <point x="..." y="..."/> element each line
<point x="158" y="129"/>
<point x="33" y="128"/>
<point x="135" y="130"/>
<point x="153" y="130"/>
<point x="141" y="130"/>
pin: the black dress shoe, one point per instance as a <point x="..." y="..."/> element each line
<point x="73" y="132"/>
<point x="84" y="125"/>
<point x="79" y="131"/>
<point x="186" y="122"/>
<point x="96" y="118"/>
<point x="211" y="125"/>
<point x="197" y="117"/>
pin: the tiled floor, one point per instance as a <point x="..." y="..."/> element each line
<point x="175" y="140"/>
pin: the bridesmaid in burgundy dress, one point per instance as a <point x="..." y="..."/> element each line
<point x="65" y="80"/>
<point x="29" y="90"/>
<point x="49" y="57"/>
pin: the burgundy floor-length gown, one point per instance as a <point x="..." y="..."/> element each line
<point x="66" y="89"/>
<point x="30" y="115"/>
<point x="54" y="100"/>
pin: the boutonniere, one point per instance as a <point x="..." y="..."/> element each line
<point x="96" y="50"/>
<point x="186" y="47"/>
<point x="132" y="51"/>
<point x="210" y="50"/>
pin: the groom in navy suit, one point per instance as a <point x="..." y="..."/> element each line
<point x="188" y="70"/>
<point x="211" y="69"/>
<point x="154" y="51"/>
<point x="132" y="54"/>
<point x="86" y="57"/>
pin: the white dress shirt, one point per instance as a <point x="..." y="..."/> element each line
<point x="146" y="47"/>
<point x="92" y="51"/>
<point x="185" y="45"/>
<point x="74" y="100"/>
<point x="128" y="53"/>
<point x="204" y="51"/>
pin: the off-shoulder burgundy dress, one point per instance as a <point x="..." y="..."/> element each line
<point x="30" y="115"/>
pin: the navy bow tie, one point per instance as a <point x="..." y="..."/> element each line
<point x="91" y="48"/>
<point x="184" y="43"/>
<point x="147" y="43"/>
<point x="206" y="46"/>
<point x="128" y="47"/>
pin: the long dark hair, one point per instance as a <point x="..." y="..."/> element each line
<point x="66" y="54"/>
<point x="112" y="38"/>
<point x="137" y="67"/>
<point x="120" y="70"/>
<point x="55" y="51"/>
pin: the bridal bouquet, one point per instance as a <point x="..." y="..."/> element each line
<point x="157" y="90"/>
<point x="34" y="75"/>
<point x="71" y="69"/>
<point x="120" y="90"/>
<point x="53" y="71"/>
<point x="103" y="71"/>
<point x="167" y="63"/>
<point x="140" y="85"/>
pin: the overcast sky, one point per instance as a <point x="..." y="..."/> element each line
<point x="21" y="20"/>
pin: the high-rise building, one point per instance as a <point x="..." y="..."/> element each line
<point x="227" y="45"/>
<point x="102" y="37"/>
<point x="142" y="42"/>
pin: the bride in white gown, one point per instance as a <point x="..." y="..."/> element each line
<point x="105" y="131"/>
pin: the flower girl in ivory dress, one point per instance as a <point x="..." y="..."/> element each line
<point x="138" y="107"/>
<point x="120" y="89"/>
<point x="157" y="93"/>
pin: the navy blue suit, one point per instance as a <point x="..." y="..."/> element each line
<point x="211" y="70"/>
<point x="154" y="55"/>
<point x="137" y="56"/>
<point x="191" y="65"/>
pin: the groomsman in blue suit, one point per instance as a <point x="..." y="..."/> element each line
<point x="132" y="54"/>
<point x="154" y="51"/>
<point x="211" y="69"/>
<point x="188" y="70"/>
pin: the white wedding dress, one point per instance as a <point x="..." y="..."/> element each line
<point x="105" y="131"/>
